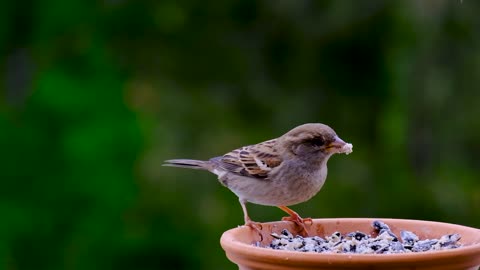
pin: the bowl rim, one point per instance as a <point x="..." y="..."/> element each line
<point x="230" y="244"/>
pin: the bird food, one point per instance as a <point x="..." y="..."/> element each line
<point x="386" y="242"/>
<point x="347" y="148"/>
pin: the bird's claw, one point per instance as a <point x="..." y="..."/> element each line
<point x="298" y="220"/>
<point x="308" y="220"/>
<point x="301" y="222"/>
<point x="256" y="226"/>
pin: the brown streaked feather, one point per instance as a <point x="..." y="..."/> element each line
<point x="254" y="160"/>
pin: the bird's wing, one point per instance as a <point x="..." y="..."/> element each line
<point x="254" y="160"/>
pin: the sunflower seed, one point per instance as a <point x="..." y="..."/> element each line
<point x="386" y="242"/>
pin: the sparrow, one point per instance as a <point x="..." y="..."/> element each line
<point x="280" y="172"/>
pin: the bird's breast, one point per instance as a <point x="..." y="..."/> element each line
<point x="302" y="185"/>
<point x="288" y="186"/>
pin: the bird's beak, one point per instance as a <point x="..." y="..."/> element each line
<point x="336" y="145"/>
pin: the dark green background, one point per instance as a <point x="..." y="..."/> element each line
<point x="94" y="95"/>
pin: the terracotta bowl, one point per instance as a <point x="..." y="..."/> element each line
<point x="237" y="244"/>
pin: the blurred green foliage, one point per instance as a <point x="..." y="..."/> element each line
<point x="96" y="94"/>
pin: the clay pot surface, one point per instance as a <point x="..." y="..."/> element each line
<point x="237" y="244"/>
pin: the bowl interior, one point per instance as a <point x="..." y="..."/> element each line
<point x="324" y="227"/>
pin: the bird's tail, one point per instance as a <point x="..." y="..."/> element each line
<point x="187" y="163"/>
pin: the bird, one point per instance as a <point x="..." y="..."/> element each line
<point x="281" y="172"/>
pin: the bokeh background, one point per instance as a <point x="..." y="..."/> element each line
<point x="95" y="94"/>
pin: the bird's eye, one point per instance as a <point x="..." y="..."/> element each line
<point x="317" y="142"/>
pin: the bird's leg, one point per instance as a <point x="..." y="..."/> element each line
<point x="295" y="217"/>
<point x="257" y="226"/>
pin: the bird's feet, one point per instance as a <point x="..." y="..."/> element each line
<point x="297" y="219"/>
<point x="256" y="226"/>
<point x="301" y="222"/>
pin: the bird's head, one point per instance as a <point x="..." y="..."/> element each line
<point x="313" y="142"/>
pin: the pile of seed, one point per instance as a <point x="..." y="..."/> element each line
<point x="386" y="242"/>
